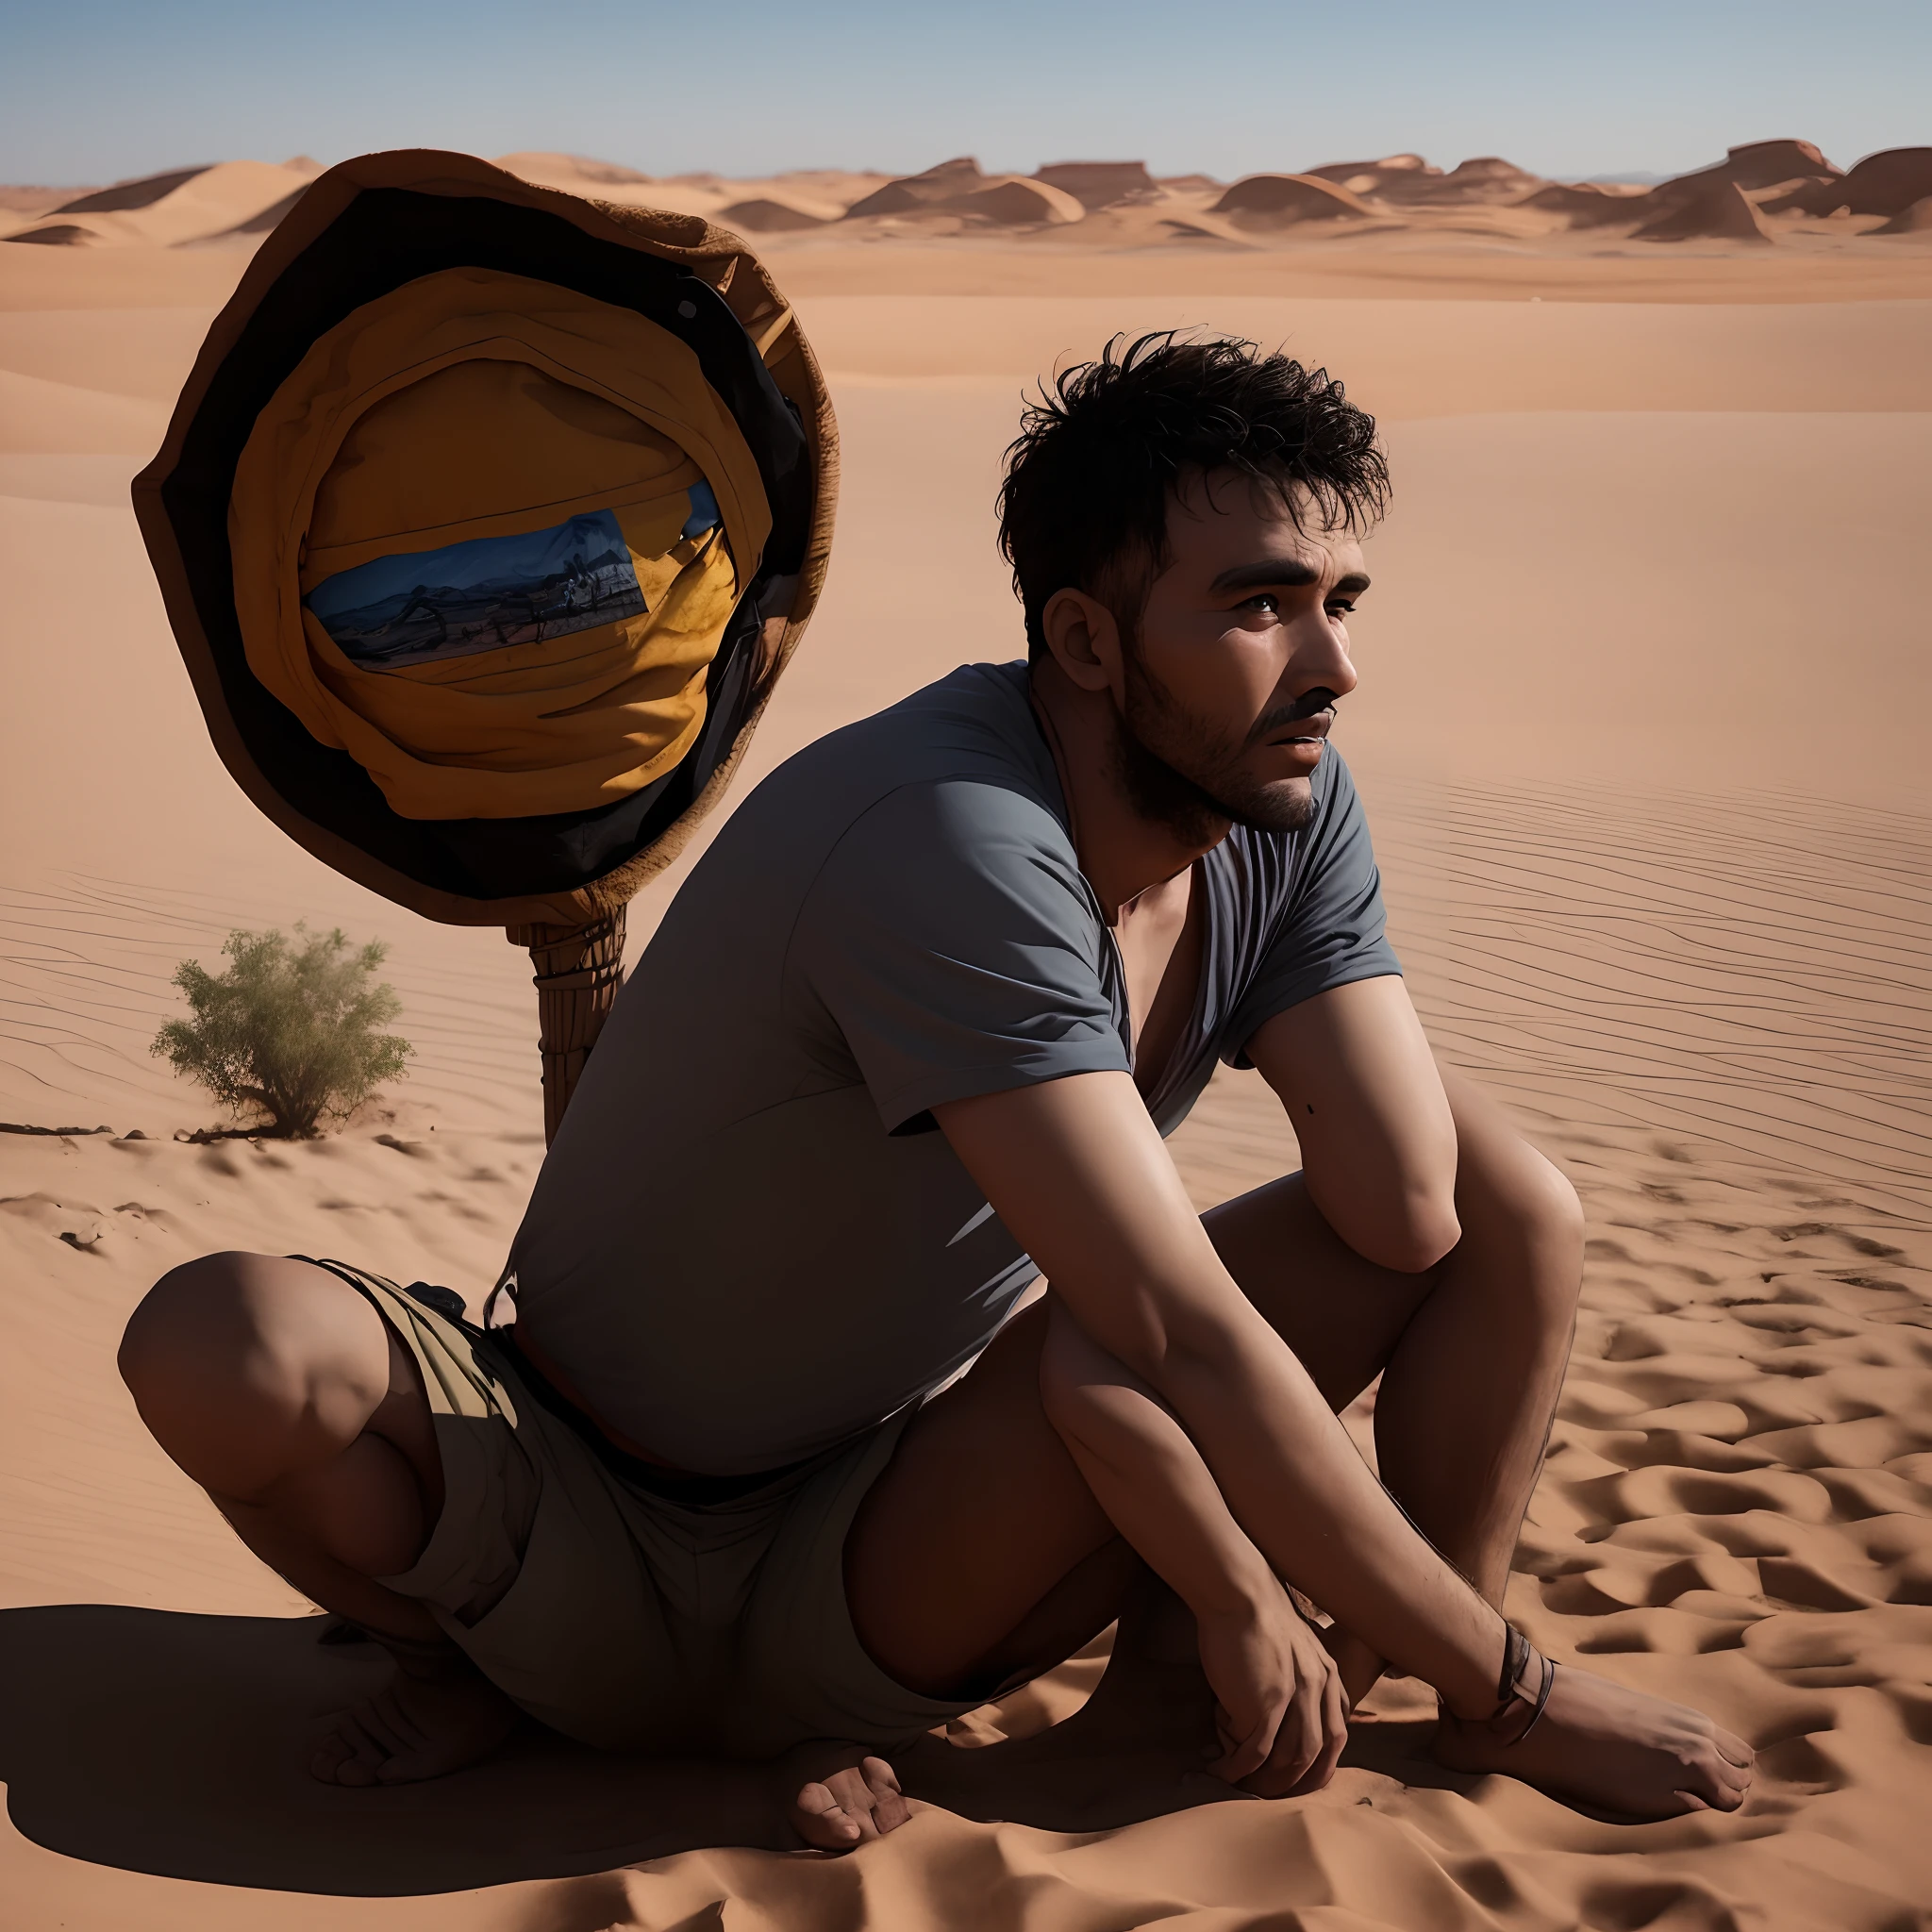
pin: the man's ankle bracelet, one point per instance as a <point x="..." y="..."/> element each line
<point x="1526" y="1683"/>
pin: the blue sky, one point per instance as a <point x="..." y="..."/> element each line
<point x="93" y="91"/>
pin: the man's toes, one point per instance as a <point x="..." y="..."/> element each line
<point x="889" y="1809"/>
<point x="1713" y="1783"/>
<point x="859" y="1799"/>
<point x="1733" y="1749"/>
<point x="854" y="1794"/>
<point x="823" y="1820"/>
<point x="1733" y="1783"/>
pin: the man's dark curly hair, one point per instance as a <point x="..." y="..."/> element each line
<point x="1099" y="453"/>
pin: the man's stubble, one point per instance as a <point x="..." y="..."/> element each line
<point x="1178" y="773"/>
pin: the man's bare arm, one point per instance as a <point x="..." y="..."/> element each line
<point x="1077" y="1172"/>
<point x="1358" y="1082"/>
<point x="1281" y="1713"/>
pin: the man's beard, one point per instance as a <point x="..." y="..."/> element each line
<point x="1178" y="773"/>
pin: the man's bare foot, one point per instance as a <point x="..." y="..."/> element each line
<point x="835" y="1796"/>
<point x="1140" y="1747"/>
<point x="411" y="1729"/>
<point x="1615" y="1749"/>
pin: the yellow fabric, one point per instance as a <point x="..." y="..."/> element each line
<point x="470" y="405"/>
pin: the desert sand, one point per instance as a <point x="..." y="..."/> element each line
<point x="1640" y="733"/>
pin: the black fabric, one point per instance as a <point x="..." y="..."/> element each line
<point x="385" y="237"/>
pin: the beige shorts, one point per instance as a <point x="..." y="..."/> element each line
<point x="624" y="1619"/>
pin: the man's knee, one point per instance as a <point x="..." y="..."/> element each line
<point x="241" y="1365"/>
<point x="1547" y="1209"/>
<point x="1549" y="1220"/>
<point x="1519" y="1206"/>
<point x="191" y="1327"/>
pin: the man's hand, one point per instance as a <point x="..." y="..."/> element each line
<point x="1281" y="1714"/>
<point x="1279" y="1710"/>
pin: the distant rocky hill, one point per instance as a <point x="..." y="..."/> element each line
<point x="1761" y="193"/>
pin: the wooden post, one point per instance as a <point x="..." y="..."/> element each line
<point x="579" y="969"/>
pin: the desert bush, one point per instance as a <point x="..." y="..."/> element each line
<point x="290" y="1029"/>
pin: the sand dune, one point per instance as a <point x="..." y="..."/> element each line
<point x="946" y="182"/>
<point x="1916" y="219"/>
<point x="1762" y="164"/>
<point x="1365" y="177"/>
<point x="1018" y="202"/>
<point x="1656" y="876"/>
<point x="144" y="192"/>
<point x="1408" y="180"/>
<point x="29" y="200"/>
<point x="1487" y="178"/>
<point x="1883" y="183"/>
<point x="265" y="219"/>
<point x="1101" y="184"/>
<point x="578" y="167"/>
<point x="1404" y="200"/>
<point x="1400" y="204"/>
<point x="761" y="215"/>
<point x="958" y="189"/>
<point x="1276" y="200"/>
<point x="823" y="193"/>
<point x="1716" y="210"/>
<point x="1584" y="205"/>
<point x="189" y="205"/>
<point x="36" y="415"/>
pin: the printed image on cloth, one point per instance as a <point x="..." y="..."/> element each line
<point x="490" y="593"/>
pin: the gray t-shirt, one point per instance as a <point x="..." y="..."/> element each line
<point x="750" y="1241"/>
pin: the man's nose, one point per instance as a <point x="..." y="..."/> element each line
<point x="1318" y="657"/>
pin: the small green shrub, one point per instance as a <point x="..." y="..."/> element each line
<point x="290" y="1029"/>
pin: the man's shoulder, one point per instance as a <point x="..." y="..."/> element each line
<point x="947" y="767"/>
<point x="971" y="728"/>
<point x="975" y="719"/>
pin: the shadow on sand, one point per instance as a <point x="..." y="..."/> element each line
<point x="173" y="1744"/>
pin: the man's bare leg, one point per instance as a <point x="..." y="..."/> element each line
<point x="287" y="1398"/>
<point x="982" y="1515"/>
<point x="980" y="1560"/>
<point x="284" y="1394"/>
<point x="1472" y="1353"/>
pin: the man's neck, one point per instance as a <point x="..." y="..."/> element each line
<point x="1121" y="853"/>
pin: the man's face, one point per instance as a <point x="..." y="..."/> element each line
<point x="1232" y="673"/>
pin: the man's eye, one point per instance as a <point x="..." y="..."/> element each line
<point x="1340" y="606"/>
<point x="1264" y="600"/>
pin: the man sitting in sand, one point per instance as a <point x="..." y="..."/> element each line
<point x="907" y="1040"/>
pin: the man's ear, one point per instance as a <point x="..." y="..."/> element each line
<point x="1084" y="639"/>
